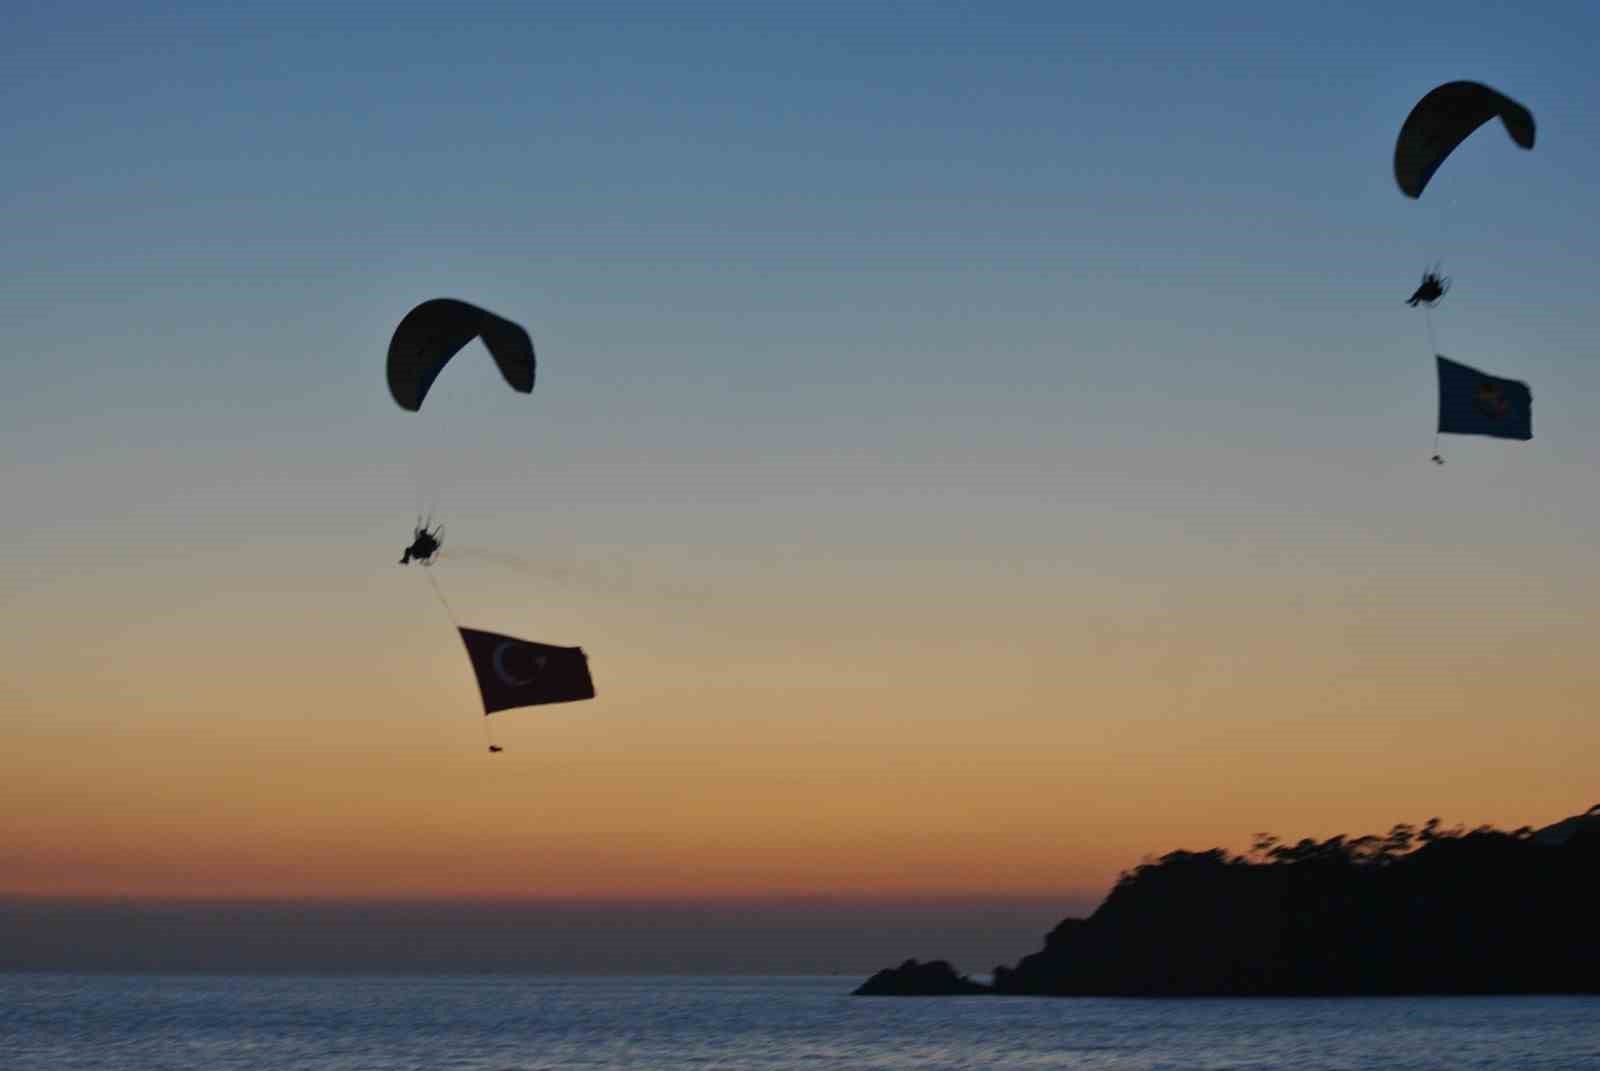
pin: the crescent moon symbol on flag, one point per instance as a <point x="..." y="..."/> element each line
<point x="500" y="666"/>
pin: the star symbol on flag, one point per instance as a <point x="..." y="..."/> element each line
<point x="1491" y="402"/>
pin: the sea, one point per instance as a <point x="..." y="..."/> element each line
<point x="71" y="1022"/>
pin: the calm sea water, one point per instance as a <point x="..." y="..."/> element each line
<point x="57" y="1022"/>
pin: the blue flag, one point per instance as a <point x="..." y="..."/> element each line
<point x="1471" y="403"/>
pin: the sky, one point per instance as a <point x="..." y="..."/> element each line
<point x="979" y="447"/>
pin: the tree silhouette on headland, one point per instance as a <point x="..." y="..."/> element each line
<point x="1416" y="910"/>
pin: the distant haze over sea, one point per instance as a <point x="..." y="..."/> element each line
<point x="818" y="936"/>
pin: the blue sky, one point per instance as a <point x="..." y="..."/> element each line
<point x="883" y="247"/>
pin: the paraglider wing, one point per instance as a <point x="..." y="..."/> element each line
<point x="512" y="350"/>
<point x="435" y="331"/>
<point x="1443" y="119"/>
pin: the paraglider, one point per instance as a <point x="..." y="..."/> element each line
<point x="1445" y="117"/>
<point x="511" y="672"/>
<point x="1433" y="287"/>
<point x="424" y="545"/>
<point x="436" y="330"/>
<point x="425" y="340"/>
<point x="1470" y="402"/>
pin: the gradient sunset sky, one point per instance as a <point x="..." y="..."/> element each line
<point x="978" y="446"/>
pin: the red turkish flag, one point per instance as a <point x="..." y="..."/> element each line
<point x="520" y="673"/>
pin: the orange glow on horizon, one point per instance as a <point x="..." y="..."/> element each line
<point x="1006" y="753"/>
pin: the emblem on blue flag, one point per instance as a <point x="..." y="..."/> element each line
<point x="1475" y="403"/>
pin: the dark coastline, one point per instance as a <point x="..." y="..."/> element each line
<point x="1419" y="911"/>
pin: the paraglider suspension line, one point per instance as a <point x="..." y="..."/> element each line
<point x="488" y="734"/>
<point x="1433" y="348"/>
<point x="427" y="496"/>
<point x="439" y="592"/>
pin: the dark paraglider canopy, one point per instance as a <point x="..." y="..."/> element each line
<point x="436" y="331"/>
<point x="1443" y="119"/>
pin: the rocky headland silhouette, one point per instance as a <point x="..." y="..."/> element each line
<point x="935" y="978"/>
<point x="1419" y="910"/>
